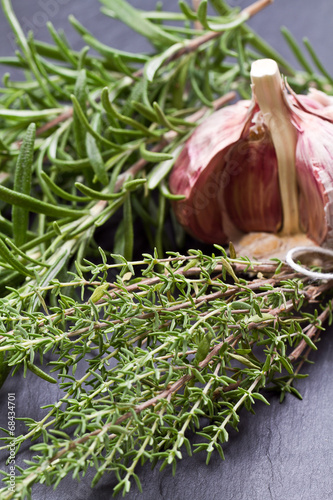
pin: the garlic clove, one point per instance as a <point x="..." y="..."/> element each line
<point x="314" y="166"/>
<point x="316" y="102"/>
<point x="197" y="174"/>
<point x="252" y="195"/>
<point x="320" y="97"/>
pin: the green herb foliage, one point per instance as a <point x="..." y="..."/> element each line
<point x="169" y="342"/>
<point x="88" y="141"/>
<point x="101" y="121"/>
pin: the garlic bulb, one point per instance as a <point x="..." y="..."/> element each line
<point x="263" y="165"/>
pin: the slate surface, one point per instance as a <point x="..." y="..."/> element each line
<point x="284" y="451"/>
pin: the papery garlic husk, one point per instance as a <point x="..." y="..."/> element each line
<point x="263" y="165"/>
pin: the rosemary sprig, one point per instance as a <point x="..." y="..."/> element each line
<point x="124" y="122"/>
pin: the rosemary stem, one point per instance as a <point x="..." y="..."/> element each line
<point x="196" y="43"/>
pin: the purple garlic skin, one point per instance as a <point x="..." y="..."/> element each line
<point x="228" y="172"/>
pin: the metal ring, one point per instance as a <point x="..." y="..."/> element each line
<point x="307" y="272"/>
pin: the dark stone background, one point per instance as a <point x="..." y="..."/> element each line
<point x="284" y="451"/>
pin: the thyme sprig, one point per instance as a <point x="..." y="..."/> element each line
<point x="169" y="342"/>
<point x="88" y="141"/>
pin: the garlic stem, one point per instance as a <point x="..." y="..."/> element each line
<point x="267" y="88"/>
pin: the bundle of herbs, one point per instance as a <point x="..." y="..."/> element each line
<point x="142" y="350"/>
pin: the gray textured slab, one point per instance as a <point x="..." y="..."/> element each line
<point x="284" y="451"/>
